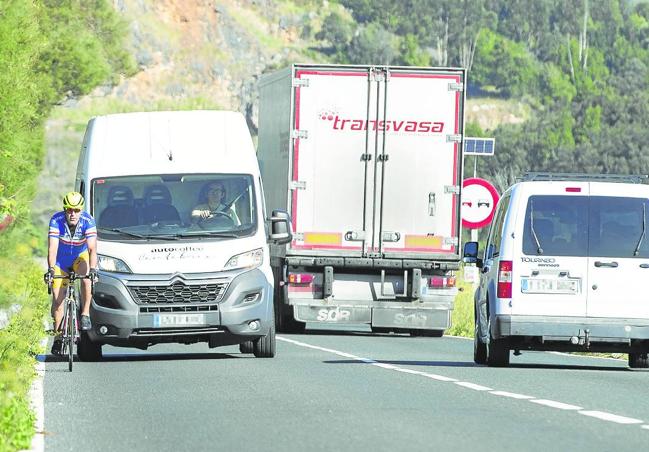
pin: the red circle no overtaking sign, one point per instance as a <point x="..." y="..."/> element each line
<point x="479" y="199"/>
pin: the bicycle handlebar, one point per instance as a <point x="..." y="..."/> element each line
<point x="72" y="276"/>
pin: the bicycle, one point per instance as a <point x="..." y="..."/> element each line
<point x="70" y="323"/>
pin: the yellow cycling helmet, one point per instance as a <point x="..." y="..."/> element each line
<point x="73" y="200"/>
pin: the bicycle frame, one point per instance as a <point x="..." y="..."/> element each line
<point x="70" y="323"/>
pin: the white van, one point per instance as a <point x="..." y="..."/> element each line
<point x="165" y="275"/>
<point x="565" y="268"/>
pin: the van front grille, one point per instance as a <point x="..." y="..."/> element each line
<point x="178" y="292"/>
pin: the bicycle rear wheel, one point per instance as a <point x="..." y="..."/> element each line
<point x="70" y="333"/>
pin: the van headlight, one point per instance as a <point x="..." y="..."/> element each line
<point x="112" y="264"/>
<point x="251" y="259"/>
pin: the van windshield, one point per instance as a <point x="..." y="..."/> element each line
<point x="173" y="207"/>
<point x="598" y="226"/>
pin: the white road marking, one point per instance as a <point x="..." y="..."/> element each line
<point x="512" y="395"/>
<point x="611" y="417"/>
<point x="37" y="403"/>
<point x="549" y="403"/>
<point x="553" y="404"/>
<point x="466" y="384"/>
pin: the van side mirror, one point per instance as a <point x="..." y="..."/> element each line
<point x="470" y="255"/>
<point x="280" y="226"/>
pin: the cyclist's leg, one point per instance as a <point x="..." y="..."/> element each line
<point x="81" y="266"/>
<point x="59" y="287"/>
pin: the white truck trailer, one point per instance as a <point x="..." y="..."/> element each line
<point x="368" y="161"/>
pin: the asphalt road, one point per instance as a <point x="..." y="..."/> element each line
<point x="343" y="391"/>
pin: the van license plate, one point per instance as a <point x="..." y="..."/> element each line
<point x="167" y="320"/>
<point x="565" y="286"/>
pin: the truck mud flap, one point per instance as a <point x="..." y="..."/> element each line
<point x="398" y="317"/>
<point x="333" y="314"/>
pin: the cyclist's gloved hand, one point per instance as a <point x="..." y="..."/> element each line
<point x="94" y="277"/>
<point x="49" y="275"/>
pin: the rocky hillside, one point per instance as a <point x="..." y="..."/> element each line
<point x="201" y="54"/>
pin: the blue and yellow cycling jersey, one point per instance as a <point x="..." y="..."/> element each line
<point x="71" y="245"/>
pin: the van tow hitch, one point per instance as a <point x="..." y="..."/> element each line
<point x="583" y="339"/>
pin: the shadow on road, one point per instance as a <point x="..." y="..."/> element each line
<point x="134" y="357"/>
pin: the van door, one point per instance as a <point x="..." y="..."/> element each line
<point x="618" y="265"/>
<point x="552" y="271"/>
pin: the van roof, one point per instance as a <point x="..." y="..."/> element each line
<point x="164" y="142"/>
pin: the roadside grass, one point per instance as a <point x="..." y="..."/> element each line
<point x="19" y="345"/>
<point x="462" y="318"/>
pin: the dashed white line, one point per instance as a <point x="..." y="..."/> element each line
<point x="553" y="404"/>
<point x="475" y="387"/>
<point x="465" y="384"/>
<point x="611" y="417"/>
<point x="512" y="395"/>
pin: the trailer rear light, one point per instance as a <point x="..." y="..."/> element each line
<point x="573" y="189"/>
<point x="438" y="282"/>
<point x="505" y="279"/>
<point x="300" y="278"/>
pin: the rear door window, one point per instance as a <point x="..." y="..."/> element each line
<point x="617" y="227"/>
<point x="556" y="226"/>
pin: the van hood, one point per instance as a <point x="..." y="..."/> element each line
<point x="182" y="257"/>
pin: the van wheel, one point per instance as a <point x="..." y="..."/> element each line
<point x="479" y="347"/>
<point x="638" y="361"/>
<point x="88" y="350"/>
<point x="264" y="347"/>
<point x="246" y="347"/>
<point x="498" y="353"/>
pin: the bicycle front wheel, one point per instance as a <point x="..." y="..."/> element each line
<point x="70" y="333"/>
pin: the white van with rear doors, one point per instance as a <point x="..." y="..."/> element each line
<point x="566" y="268"/>
<point x="182" y="232"/>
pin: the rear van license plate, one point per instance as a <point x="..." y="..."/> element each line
<point x="166" y="320"/>
<point x="565" y="286"/>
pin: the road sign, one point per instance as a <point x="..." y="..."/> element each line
<point x="479" y="199"/>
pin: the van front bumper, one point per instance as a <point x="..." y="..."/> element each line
<point x="120" y="306"/>
<point x="565" y="328"/>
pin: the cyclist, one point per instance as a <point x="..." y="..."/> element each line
<point x="72" y="246"/>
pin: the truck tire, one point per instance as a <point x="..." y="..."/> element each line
<point x="246" y="347"/>
<point x="638" y="361"/>
<point x="479" y="347"/>
<point x="264" y="347"/>
<point x="427" y="333"/>
<point x="88" y="350"/>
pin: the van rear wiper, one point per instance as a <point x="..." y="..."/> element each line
<point x="644" y="227"/>
<point x="539" y="250"/>
<point x="121" y="231"/>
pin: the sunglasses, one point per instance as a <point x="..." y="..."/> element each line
<point x="71" y="211"/>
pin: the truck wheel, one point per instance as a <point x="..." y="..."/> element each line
<point x="88" y="350"/>
<point x="427" y="333"/>
<point x="638" y="361"/>
<point x="479" y="348"/>
<point x="380" y="330"/>
<point x="264" y="347"/>
<point x="246" y="347"/>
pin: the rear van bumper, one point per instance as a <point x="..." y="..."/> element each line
<point x="565" y="328"/>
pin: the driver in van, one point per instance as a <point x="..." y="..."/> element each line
<point x="214" y="204"/>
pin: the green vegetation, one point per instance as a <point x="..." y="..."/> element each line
<point x="50" y="50"/>
<point x="462" y="323"/>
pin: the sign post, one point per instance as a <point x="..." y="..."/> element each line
<point x="479" y="200"/>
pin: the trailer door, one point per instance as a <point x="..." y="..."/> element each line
<point x="418" y="176"/>
<point x="332" y="159"/>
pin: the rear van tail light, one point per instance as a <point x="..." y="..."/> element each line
<point x="439" y="282"/>
<point x="505" y="279"/>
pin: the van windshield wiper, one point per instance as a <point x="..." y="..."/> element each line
<point x="224" y="235"/>
<point x="539" y="250"/>
<point x="121" y="231"/>
<point x="644" y="227"/>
